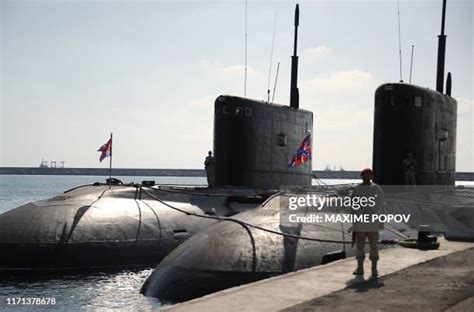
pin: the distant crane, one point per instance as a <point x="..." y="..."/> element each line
<point x="44" y="164"/>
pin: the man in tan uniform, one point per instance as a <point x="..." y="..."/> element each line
<point x="368" y="230"/>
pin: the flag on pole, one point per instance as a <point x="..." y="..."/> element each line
<point x="303" y="153"/>
<point x="106" y="150"/>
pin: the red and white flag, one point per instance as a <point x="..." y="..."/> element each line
<point x="106" y="150"/>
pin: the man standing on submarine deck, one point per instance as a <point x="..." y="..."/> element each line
<point x="209" y="165"/>
<point x="375" y="197"/>
<point x="409" y="165"/>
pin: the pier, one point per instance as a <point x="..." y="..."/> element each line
<point x="410" y="279"/>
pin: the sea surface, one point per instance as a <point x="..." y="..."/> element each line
<point x="73" y="291"/>
<point x="91" y="291"/>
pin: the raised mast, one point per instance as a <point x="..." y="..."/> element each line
<point x="294" y="93"/>
<point x="441" y="53"/>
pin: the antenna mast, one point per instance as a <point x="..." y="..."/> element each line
<point x="271" y="59"/>
<point x="411" y="63"/>
<point x="276" y="79"/>
<point x="246" y="35"/>
<point x="294" y="94"/>
<point x="441" y="53"/>
<point x="399" y="41"/>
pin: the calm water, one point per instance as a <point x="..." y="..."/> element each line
<point x="17" y="190"/>
<point x="97" y="291"/>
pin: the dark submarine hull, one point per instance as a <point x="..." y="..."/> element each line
<point x="227" y="254"/>
<point x="102" y="227"/>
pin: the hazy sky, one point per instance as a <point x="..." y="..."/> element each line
<point x="149" y="71"/>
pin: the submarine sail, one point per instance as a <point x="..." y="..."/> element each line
<point x="254" y="140"/>
<point x="410" y="119"/>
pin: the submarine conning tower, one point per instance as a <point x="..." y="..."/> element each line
<point x="412" y="119"/>
<point x="255" y="140"/>
<point x="416" y="120"/>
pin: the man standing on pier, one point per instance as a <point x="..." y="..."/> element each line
<point x="209" y="165"/>
<point x="367" y="189"/>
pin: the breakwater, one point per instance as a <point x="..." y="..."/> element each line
<point x="103" y="171"/>
<point x="460" y="176"/>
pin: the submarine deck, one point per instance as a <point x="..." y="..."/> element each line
<point x="407" y="278"/>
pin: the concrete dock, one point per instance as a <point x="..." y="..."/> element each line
<point x="410" y="279"/>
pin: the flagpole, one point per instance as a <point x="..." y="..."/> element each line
<point x="110" y="167"/>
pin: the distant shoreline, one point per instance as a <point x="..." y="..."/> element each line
<point x="460" y="176"/>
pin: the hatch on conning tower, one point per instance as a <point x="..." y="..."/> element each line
<point x="417" y="120"/>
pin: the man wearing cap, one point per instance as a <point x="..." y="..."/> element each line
<point x="376" y="205"/>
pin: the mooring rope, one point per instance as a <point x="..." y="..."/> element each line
<point x="246" y="224"/>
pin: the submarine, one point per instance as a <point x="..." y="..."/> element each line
<point x="105" y="226"/>
<point x="253" y="245"/>
<point x="260" y="243"/>
<point x="420" y="121"/>
<point x="263" y="242"/>
<point x="416" y="120"/>
<point x="121" y="226"/>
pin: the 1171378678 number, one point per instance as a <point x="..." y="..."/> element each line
<point x="30" y="301"/>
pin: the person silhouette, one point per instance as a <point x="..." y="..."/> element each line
<point x="209" y="165"/>
<point x="409" y="165"/>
